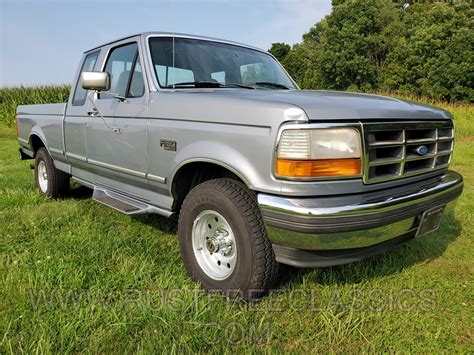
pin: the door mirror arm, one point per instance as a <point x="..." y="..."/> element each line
<point x="96" y="112"/>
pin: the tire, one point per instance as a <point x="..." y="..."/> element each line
<point x="56" y="182"/>
<point x="215" y="215"/>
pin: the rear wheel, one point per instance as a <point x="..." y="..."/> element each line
<point x="223" y="240"/>
<point x="50" y="181"/>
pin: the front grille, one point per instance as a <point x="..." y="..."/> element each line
<point x="396" y="150"/>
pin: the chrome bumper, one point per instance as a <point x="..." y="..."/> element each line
<point x="353" y="222"/>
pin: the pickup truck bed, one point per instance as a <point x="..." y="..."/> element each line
<point x="45" y="120"/>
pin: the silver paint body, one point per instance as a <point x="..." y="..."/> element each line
<point x="232" y="127"/>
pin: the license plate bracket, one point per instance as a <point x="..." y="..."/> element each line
<point x="430" y="221"/>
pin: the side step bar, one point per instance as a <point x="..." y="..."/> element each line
<point x="125" y="204"/>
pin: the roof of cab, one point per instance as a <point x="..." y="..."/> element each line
<point x="179" y="35"/>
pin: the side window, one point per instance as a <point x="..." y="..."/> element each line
<point x="119" y="65"/>
<point x="79" y="93"/>
<point x="137" y="86"/>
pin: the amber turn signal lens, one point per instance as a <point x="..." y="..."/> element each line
<point x="317" y="168"/>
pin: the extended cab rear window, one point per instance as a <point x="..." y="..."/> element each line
<point x="88" y="65"/>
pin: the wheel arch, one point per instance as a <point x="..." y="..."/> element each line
<point x="192" y="172"/>
<point x="37" y="141"/>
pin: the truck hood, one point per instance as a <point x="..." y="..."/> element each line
<point x="336" y="105"/>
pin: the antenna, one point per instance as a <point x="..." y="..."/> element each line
<point x="173" y="29"/>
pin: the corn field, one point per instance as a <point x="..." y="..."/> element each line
<point x="10" y="98"/>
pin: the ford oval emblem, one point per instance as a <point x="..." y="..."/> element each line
<point x="422" y="150"/>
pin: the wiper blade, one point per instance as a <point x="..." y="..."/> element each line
<point x="208" y="84"/>
<point x="196" y="84"/>
<point x="234" y="85"/>
<point x="272" y="85"/>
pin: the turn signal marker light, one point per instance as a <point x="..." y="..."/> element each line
<point x="318" y="168"/>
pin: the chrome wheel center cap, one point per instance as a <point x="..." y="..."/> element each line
<point x="212" y="245"/>
<point x="220" y="242"/>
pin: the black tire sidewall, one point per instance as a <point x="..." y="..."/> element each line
<point x="42" y="155"/>
<point x="213" y="199"/>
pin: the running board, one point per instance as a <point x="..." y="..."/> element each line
<point x="125" y="204"/>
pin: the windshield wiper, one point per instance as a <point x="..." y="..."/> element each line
<point x="208" y="84"/>
<point x="234" y="85"/>
<point x="272" y="85"/>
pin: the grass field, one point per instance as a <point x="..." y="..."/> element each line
<point x="78" y="276"/>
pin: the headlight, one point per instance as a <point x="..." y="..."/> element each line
<point x="310" y="153"/>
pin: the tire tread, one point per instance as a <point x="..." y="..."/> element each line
<point x="265" y="268"/>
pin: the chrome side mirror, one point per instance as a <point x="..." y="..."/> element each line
<point x="95" y="80"/>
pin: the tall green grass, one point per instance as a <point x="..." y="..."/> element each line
<point x="10" y="98"/>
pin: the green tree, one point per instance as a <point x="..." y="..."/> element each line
<point x="426" y="49"/>
<point x="434" y="53"/>
<point x="280" y="50"/>
<point x="352" y="44"/>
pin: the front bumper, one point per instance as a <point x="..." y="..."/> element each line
<point x="324" y="231"/>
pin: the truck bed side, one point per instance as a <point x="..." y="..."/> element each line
<point x="44" y="122"/>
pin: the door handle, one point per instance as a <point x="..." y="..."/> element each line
<point x="92" y="113"/>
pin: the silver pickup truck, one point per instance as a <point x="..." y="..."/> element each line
<point x="259" y="171"/>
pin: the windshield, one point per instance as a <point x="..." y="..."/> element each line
<point x="200" y="63"/>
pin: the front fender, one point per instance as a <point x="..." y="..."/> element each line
<point x="220" y="154"/>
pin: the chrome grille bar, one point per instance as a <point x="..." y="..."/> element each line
<point x="394" y="150"/>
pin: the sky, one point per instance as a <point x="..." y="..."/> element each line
<point x="41" y="42"/>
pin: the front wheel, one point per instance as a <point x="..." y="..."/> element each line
<point x="223" y="241"/>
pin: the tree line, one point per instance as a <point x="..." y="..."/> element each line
<point x="420" y="48"/>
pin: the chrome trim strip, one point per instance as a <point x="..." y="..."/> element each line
<point x="76" y="156"/>
<point x="38" y="114"/>
<point x="156" y="178"/>
<point x="448" y="182"/>
<point x="56" y="151"/>
<point x="24" y="141"/>
<point x="116" y="168"/>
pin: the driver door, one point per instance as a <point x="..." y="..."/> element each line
<point x="117" y="144"/>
